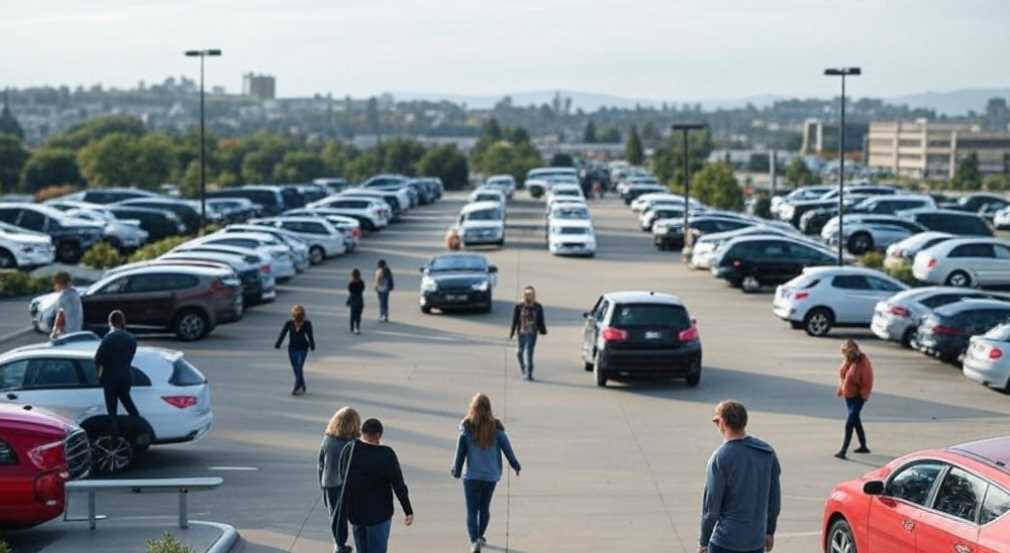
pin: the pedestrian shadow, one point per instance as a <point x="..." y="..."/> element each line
<point x="791" y="396"/>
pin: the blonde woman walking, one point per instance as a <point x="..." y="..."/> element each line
<point x="855" y="385"/>
<point x="344" y="427"/>
<point x="301" y="341"/>
<point x="482" y="441"/>
<point x="528" y="323"/>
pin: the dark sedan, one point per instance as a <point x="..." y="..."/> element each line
<point x="458" y="281"/>
<point x="946" y="332"/>
<point x="668" y="234"/>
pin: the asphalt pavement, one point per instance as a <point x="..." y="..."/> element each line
<point x="615" y="469"/>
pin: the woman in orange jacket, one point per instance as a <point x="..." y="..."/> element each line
<point x="855" y="385"/>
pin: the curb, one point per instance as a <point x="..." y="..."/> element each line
<point x="227" y="541"/>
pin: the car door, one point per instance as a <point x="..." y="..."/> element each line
<point x="950" y="526"/>
<point x="150" y="297"/>
<point x="893" y="517"/>
<point x="12" y="379"/>
<point x="975" y="258"/>
<point x="768" y="261"/>
<point x="99" y="303"/>
<point x="854" y="300"/>
<point x="1000" y="265"/>
<point x="880" y="289"/>
<point x="994" y="536"/>
<point x="592" y="329"/>
<point x="55" y="383"/>
<point x="32" y="220"/>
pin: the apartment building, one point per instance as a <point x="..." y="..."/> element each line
<point x="263" y="87"/>
<point x="927" y="149"/>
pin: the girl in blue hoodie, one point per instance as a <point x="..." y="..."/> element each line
<point x="482" y="440"/>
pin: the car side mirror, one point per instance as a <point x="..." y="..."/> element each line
<point x="492" y="269"/>
<point x="873" y="487"/>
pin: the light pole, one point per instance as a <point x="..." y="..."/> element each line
<point x="841" y="72"/>
<point x="203" y="141"/>
<point x="685" y="128"/>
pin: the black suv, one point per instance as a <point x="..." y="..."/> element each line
<point x="159" y="223"/>
<point x="641" y="334"/>
<point x="268" y="198"/>
<point x="71" y="236"/>
<point x="189" y="215"/>
<point x="754" y="261"/>
<point x="958" y="223"/>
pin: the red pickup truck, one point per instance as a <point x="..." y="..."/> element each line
<point x="39" y="452"/>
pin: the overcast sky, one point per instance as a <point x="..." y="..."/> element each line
<point x="652" y="49"/>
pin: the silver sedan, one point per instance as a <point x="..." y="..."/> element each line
<point x="897" y="318"/>
<point x="987" y="360"/>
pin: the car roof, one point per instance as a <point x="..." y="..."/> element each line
<point x="82" y="346"/>
<point x="835" y="270"/>
<point x="461" y="254"/>
<point x="479" y="206"/>
<point x="264" y="236"/>
<point x="181" y="268"/>
<point x="631" y="296"/>
<point x="971" y="303"/>
<point x="939" y="211"/>
<point x="955" y="242"/>
<point x="992" y="451"/>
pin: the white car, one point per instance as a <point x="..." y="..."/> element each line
<point x="568" y="211"/>
<point x="970" y="262"/>
<point x="987" y="360"/>
<point x="482" y="223"/>
<point x="372" y="214"/>
<point x="658" y="212"/>
<point x="381" y="194"/>
<point x="646" y="202"/>
<point x="1001" y="219"/>
<point x="800" y="194"/>
<point x="348" y="226"/>
<point x="313" y="249"/>
<point x="536" y="187"/>
<point x="123" y="234"/>
<point x="278" y="252"/>
<point x="868" y="232"/>
<point x="321" y="237"/>
<point x="565" y="191"/>
<point x="902" y="252"/>
<point x="263" y="260"/>
<point x="505" y="183"/>
<point x="825" y="297"/>
<point x="248" y="267"/>
<point x="571" y="237"/>
<point x="487" y="194"/>
<point x="172" y="397"/>
<point x="24" y="249"/>
<point x="299" y="249"/>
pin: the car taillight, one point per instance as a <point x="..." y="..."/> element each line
<point x="265" y="269"/>
<point x="48" y="456"/>
<point x="947" y="330"/>
<point x="181" y="402"/>
<point x="48" y="487"/>
<point x="611" y="334"/>
<point x="737" y="263"/>
<point x="689" y="335"/>
<point x="356" y="232"/>
<point x="995" y="353"/>
<point x="932" y="263"/>
<point x="801" y="295"/>
<point x="899" y="311"/>
<point x="216" y="285"/>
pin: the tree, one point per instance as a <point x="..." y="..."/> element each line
<point x="633" y="151"/>
<point x="119" y="159"/>
<point x="997" y="183"/>
<point x="610" y="136"/>
<point x="506" y="158"/>
<point x="9" y="124"/>
<point x="668" y="159"/>
<point x="50" y="167"/>
<point x="716" y="185"/>
<point x="13" y="156"/>
<point x="798" y="174"/>
<point x="447" y="163"/>
<point x="589" y="134"/>
<point x="400" y="155"/>
<point x="967" y="175"/>
<point x="561" y="159"/>
<point x="258" y="167"/>
<point x="299" y="166"/>
<point x="96" y="129"/>
<point x="649" y="133"/>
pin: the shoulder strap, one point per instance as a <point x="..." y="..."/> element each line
<point x="347" y="472"/>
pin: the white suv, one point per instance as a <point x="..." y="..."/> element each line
<point x="24" y="249"/>
<point x="482" y="223"/>
<point x="172" y="396"/>
<point x="965" y="262"/>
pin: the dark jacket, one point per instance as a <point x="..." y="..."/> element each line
<point x="742" y="495"/>
<point x="516" y="313"/>
<point x="482" y="463"/>
<point x="373" y="475"/>
<point x="355" y="293"/>
<point x="115" y="357"/>
<point x="300" y="339"/>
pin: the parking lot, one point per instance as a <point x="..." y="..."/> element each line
<point x="615" y="469"/>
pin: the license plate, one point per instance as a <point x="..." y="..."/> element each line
<point x="652" y="335"/>
<point x="456" y="297"/>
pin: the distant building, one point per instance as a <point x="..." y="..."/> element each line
<point x="263" y="87"/>
<point x="821" y="139"/>
<point x="931" y="150"/>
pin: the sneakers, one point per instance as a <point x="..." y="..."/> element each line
<point x="861" y="449"/>
<point x="841" y="455"/>
<point x="482" y="541"/>
<point x="475" y="547"/>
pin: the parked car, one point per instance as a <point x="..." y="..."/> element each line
<point x="867" y="232"/>
<point x="24" y="249"/>
<point x="312" y="192"/>
<point x="231" y="210"/>
<point x="123" y="234"/>
<point x="965" y="262"/>
<point x="987" y="359"/>
<point x="645" y="202"/>
<point x="321" y="238"/>
<point x="668" y="234"/>
<point x="800" y="194"/>
<point x="754" y="261"/>
<point x="258" y="283"/>
<point x="952" y="500"/>
<point x="262" y="259"/>
<point x="299" y="249"/>
<point x="70" y="236"/>
<point x="349" y="227"/>
<point x="1001" y="218"/>
<point x="572" y="237"/>
<point x="280" y="254"/>
<point x="394" y="202"/>
<point x="536" y="181"/>
<point x="487" y="194"/>
<point x="39" y="452"/>
<point x="637" y="186"/>
<point x="904" y="251"/>
<point x="183" y="209"/>
<point x="890" y="205"/>
<point x="189" y="301"/>
<point x="826" y="297"/>
<point x="372" y="214"/>
<point x="978" y="202"/>
<point x="897" y="318"/>
<point x="109" y="195"/>
<point x="535" y="187"/>
<point x="703" y="250"/>
<point x="948" y="220"/>
<point x="945" y="332"/>
<point x="267" y="198"/>
<point x="458" y="280"/>
<point x="334" y="185"/>
<point x="659" y="212"/>
<point x="641" y="334"/>
<point x="172" y="396"/>
<point x="793" y="211"/>
<point x="482" y="223"/>
<point x="157" y="223"/>
<point x="505" y="183"/>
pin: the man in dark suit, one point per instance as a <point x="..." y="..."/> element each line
<point x="114" y="360"/>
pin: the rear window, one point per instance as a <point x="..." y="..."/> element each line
<point x="644" y="314"/>
<point x="941" y="300"/>
<point x="184" y="374"/>
<point x="1001" y="332"/>
<point x="573" y="230"/>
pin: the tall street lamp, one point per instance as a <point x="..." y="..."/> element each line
<point x="685" y="128"/>
<point x="203" y="141"/>
<point x="841" y="72"/>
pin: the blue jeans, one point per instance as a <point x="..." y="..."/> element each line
<point x="713" y="548"/>
<point x="372" y="539"/>
<point x="297" y="357"/>
<point x="854" y="422"/>
<point x="383" y="304"/>
<point x="524" y="351"/>
<point x="478" y="506"/>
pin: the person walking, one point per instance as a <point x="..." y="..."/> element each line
<point x="371" y="476"/>
<point x="69" y="310"/>
<point x="356" y="300"/>
<point x="528" y="322"/>
<point x="855" y="385"/>
<point x="343" y="428"/>
<point x="301" y="341"/>
<point x="482" y="441"/>
<point x="114" y="360"/>
<point x="383" y="284"/>
<point x="743" y="497"/>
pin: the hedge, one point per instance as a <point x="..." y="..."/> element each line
<point x="102" y="256"/>
<point x="167" y="543"/>
<point x="15" y="284"/>
<point x="157" y="249"/>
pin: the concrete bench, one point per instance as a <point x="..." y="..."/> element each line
<point x="182" y="486"/>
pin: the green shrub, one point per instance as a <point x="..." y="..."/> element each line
<point x="903" y="273"/>
<point x="167" y="544"/>
<point x="102" y="256"/>
<point x="763" y="206"/>
<point x="15" y="284"/>
<point x="4" y="548"/>
<point x="872" y="260"/>
<point x="157" y="249"/>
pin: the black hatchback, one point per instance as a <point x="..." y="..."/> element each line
<point x="945" y="333"/>
<point x="754" y="261"/>
<point x="632" y="335"/>
<point x="158" y="223"/>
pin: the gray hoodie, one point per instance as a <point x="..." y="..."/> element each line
<point x="742" y="495"/>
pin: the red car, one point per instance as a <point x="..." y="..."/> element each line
<point x="952" y="500"/>
<point x="39" y="452"/>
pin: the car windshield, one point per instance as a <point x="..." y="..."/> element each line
<point x="458" y="263"/>
<point x="1001" y="333"/>
<point x="488" y="198"/>
<point x="571" y="213"/>
<point x="484" y="215"/>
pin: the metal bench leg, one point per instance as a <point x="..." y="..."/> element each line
<point x="183" y="509"/>
<point x="91" y="510"/>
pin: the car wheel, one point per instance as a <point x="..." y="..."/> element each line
<point x="111" y="454"/>
<point x="490" y="305"/>
<point x="959" y="279"/>
<point x="750" y="283"/>
<point x="818" y="321"/>
<point x="840" y="538"/>
<point x="796" y="325"/>
<point x="191" y="325"/>
<point x="587" y="366"/>
<point x="906" y="339"/>
<point x="316" y="255"/>
<point x="601" y="377"/>
<point x="7" y="260"/>
<point x="426" y="309"/>
<point x="694" y="378"/>
<point x="860" y="243"/>
<point x="68" y="251"/>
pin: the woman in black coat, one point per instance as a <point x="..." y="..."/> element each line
<point x="356" y="300"/>
<point x="300" y="330"/>
<point x="528" y="323"/>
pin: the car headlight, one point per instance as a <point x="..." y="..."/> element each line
<point x="428" y="284"/>
<point x="480" y="286"/>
